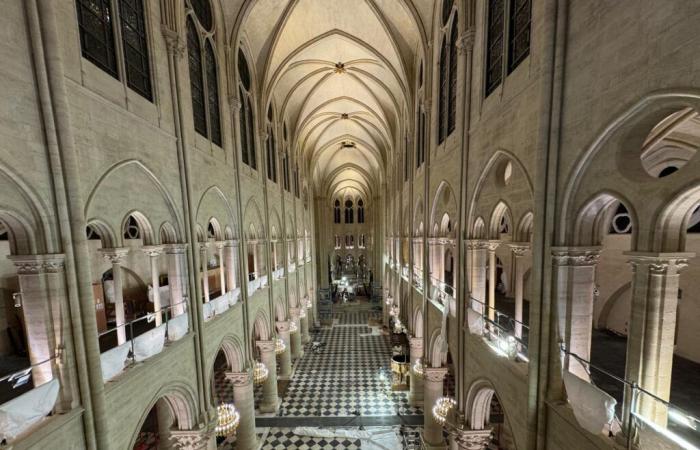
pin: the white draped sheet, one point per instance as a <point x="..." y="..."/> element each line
<point x="19" y="414"/>
<point x="593" y="408"/>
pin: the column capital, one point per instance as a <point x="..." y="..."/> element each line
<point x="152" y="250"/>
<point x="473" y="439"/>
<point x="283" y="326"/>
<point x="203" y="245"/>
<point x="465" y="41"/>
<point x="493" y="244"/>
<point x="175" y="249"/>
<point x="519" y="248"/>
<point x="576" y="256"/>
<point x="434" y="374"/>
<point x="660" y="263"/>
<point x="239" y="379"/>
<point x="173" y="43"/>
<point x="35" y="264"/>
<point x="114" y="255"/>
<point x="191" y="439"/>
<point x="235" y="103"/>
<point x="219" y="244"/>
<point x="231" y="243"/>
<point x="477" y="244"/>
<point x="416" y="343"/>
<point x="266" y="346"/>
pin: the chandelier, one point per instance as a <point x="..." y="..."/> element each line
<point x="302" y="313"/>
<point x="260" y="373"/>
<point x="418" y="367"/>
<point x="394" y="311"/>
<point x="443" y="406"/>
<point x="398" y="326"/>
<point x="280" y="346"/>
<point x="389" y="299"/>
<point x="227" y="419"/>
<point x="293" y="328"/>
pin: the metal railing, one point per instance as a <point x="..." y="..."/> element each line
<point x="166" y="316"/>
<point x="502" y="330"/>
<point x="445" y="292"/>
<point x="636" y="405"/>
<point x="20" y="377"/>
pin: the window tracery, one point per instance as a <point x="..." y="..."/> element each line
<point x="447" y="106"/>
<point x="246" y="116"/>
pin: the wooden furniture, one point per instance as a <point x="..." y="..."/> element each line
<point x="100" y="312"/>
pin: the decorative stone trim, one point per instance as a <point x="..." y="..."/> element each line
<point x="234" y="103"/>
<point x="660" y="263"/>
<point x="175" y="249"/>
<point x="283" y="326"/>
<point x="465" y="41"/>
<point x="265" y="346"/>
<point x="434" y="374"/>
<point x="576" y="256"/>
<point x="191" y="439"/>
<point x="477" y="244"/>
<point x="114" y="255"/>
<point x="519" y="249"/>
<point x="239" y="379"/>
<point x="473" y="439"/>
<point x="493" y="245"/>
<point x="153" y="250"/>
<point x="36" y="264"/>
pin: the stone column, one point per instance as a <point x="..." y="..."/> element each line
<point x="574" y="271"/>
<point x="268" y="357"/>
<point x="433" y="378"/>
<point x="286" y="357"/>
<point x="176" y="256"/>
<point x="222" y="269"/>
<point x="518" y="251"/>
<point x="230" y="252"/>
<point x="472" y="439"/>
<point x="204" y="268"/>
<point x="477" y="251"/>
<point x="415" y="394"/>
<point x="244" y="400"/>
<point x="652" y="328"/>
<point x="116" y="257"/>
<point x="153" y="253"/>
<point x="492" y="246"/>
<point x="304" y="325"/>
<point x="295" y="336"/>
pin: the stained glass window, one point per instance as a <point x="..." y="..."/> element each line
<point x="194" y="56"/>
<point x="518" y="32"/>
<point x="213" y="95"/>
<point x="134" y="38"/>
<point x="96" y="34"/>
<point x="494" y="45"/>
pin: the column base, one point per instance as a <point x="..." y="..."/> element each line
<point x="415" y="400"/>
<point x="429" y="446"/>
<point x="305" y="338"/>
<point x="268" y="408"/>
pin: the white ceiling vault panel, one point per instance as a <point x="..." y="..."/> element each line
<point x="340" y="73"/>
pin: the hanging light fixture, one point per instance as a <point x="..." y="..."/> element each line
<point x="280" y="346"/>
<point x="443" y="406"/>
<point x="260" y="373"/>
<point x="227" y="419"/>
<point x="418" y="367"/>
<point x="293" y="328"/>
<point x="389" y="299"/>
<point x="302" y="312"/>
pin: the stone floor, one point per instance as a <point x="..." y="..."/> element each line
<point x="345" y="385"/>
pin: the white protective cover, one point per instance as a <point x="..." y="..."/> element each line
<point x="208" y="311"/>
<point x="235" y="295"/>
<point x="149" y="344"/>
<point x="592" y="407"/>
<point x="475" y="322"/>
<point x="164" y="292"/>
<point x="177" y="327"/>
<point x="113" y="360"/>
<point x="374" y="439"/>
<point x="22" y="412"/>
<point x="220" y="304"/>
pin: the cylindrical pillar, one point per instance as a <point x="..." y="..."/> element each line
<point x="268" y="357"/>
<point x="116" y="257"/>
<point x="230" y="260"/>
<point x="177" y="276"/>
<point x="204" y="269"/>
<point x="304" y="325"/>
<point x="222" y="266"/>
<point x="153" y="253"/>
<point x="244" y="400"/>
<point x="493" y="245"/>
<point x="518" y="251"/>
<point x="165" y="422"/>
<point x="433" y="378"/>
<point x="286" y="357"/>
<point x="416" y="389"/>
<point x="295" y="336"/>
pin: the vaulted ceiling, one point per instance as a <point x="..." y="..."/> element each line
<point x="340" y="73"/>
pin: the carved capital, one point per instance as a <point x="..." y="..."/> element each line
<point x="473" y="439"/>
<point x="576" y="256"/>
<point x="263" y="136"/>
<point x="465" y="42"/>
<point x="153" y="250"/>
<point x="434" y="374"/>
<point x="191" y="439"/>
<point x="219" y="245"/>
<point x="203" y="246"/>
<point x="36" y="264"/>
<point x="416" y="345"/>
<point x="239" y="379"/>
<point x="477" y="244"/>
<point x="265" y="346"/>
<point x="114" y="255"/>
<point x="493" y="245"/>
<point x="660" y="263"/>
<point x="173" y="43"/>
<point x="234" y="103"/>
<point x="519" y="249"/>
